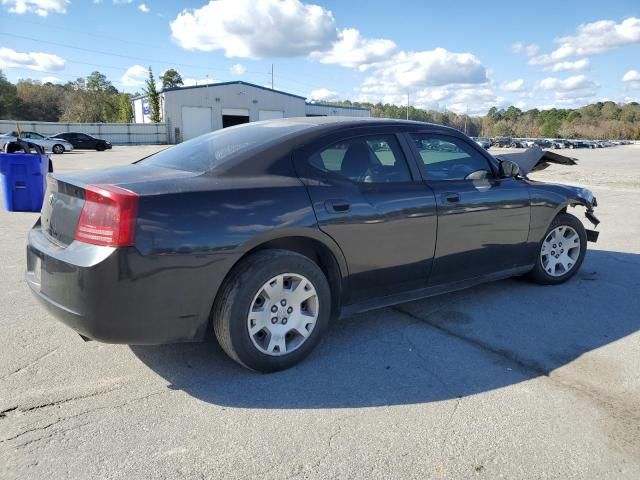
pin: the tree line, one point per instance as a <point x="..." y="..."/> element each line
<point x="96" y="99"/>
<point x="93" y="99"/>
<point x="598" y="121"/>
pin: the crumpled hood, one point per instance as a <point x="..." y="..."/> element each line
<point x="535" y="159"/>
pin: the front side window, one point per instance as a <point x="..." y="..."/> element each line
<point x="449" y="158"/>
<point x="369" y="159"/>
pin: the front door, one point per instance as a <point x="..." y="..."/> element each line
<point x="483" y="220"/>
<point x="381" y="215"/>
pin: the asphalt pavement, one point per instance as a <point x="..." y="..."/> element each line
<point x="506" y="380"/>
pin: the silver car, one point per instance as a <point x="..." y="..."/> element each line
<point x="55" y="145"/>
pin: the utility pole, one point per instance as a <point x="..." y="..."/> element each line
<point x="272" y="76"/>
<point x="407" y="106"/>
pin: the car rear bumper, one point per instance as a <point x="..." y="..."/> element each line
<point x="120" y="296"/>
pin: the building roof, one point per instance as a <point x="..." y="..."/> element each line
<point x="331" y="105"/>
<point x="236" y="82"/>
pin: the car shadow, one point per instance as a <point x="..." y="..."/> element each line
<point x="451" y="346"/>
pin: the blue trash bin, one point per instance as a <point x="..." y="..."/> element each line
<point x="23" y="178"/>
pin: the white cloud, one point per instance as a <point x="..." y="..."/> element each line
<point x="413" y="70"/>
<point x="143" y="8"/>
<point x="532" y="49"/>
<point x="513" y="86"/>
<point x="572" y="90"/>
<point x="577" y="66"/>
<point x="37" y="61"/>
<point x="188" y="82"/>
<point x="238" y="69"/>
<point x="39" y="7"/>
<point x="592" y="38"/>
<point x="135" y="77"/>
<point x="517" y="47"/>
<point x="568" y="84"/>
<point x="632" y="79"/>
<point x="323" y="94"/>
<point x="631" y="76"/>
<point x="249" y="29"/>
<point x="355" y="51"/>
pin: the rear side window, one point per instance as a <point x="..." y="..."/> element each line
<point x="208" y="151"/>
<point x="370" y="159"/>
<point x="449" y="158"/>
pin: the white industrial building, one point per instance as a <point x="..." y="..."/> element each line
<point x="191" y="111"/>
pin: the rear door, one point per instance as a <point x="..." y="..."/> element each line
<point x="483" y="220"/>
<point x="373" y="204"/>
<point x="84" y="141"/>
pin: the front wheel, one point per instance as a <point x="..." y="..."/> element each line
<point x="58" y="149"/>
<point x="561" y="251"/>
<point x="272" y="310"/>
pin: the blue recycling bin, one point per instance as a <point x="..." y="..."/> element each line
<point x="23" y="178"/>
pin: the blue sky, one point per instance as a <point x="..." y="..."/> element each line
<point x="463" y="56"/>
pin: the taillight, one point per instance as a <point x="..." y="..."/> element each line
<point x="108" y="216"/>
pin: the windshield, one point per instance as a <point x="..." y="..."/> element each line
<point x="208" y="151"/>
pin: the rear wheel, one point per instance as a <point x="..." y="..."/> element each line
<point x="561" y="251"/>
<point x="57" y="148"/>
<point x="272" y="310"/>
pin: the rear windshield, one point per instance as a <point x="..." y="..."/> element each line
<point x="208" y="151"/>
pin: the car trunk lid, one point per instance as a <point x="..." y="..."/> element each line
<point x="66" y="193"/>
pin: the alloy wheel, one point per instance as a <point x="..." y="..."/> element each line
<point x="283" y="314"/>
<point x="560" y="251"/>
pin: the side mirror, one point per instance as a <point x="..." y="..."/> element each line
<point x="509" y="169"/>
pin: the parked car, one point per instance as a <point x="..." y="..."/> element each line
<point x="55" y="145"/>
<point x="82" y="141"/>
<point x="268" y="229"/>
<point x="519" y="143"/>
<point x="483" y="142"/>
<point x="542" y="142"/>
<point x="559" y="143"/>
<point x="578" y="144"/>
<point x="502" y="141"/>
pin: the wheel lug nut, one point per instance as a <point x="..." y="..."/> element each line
<point x="283" y="302"/>
<point x="274" y="309"/>
<point x="289" y="310"/>
<point x="284" y="321"/>
<point x="274" y="320"/>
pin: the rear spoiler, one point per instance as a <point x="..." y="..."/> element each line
<point x="534" y="159"/>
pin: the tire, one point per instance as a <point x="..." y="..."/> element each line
<point x="563" y="224"/>
<point x="241" y="293"/>
<point x="100" y="147"/>
<point x="58" y="149"/>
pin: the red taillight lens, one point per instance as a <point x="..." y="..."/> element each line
<point x="108" y="216"/>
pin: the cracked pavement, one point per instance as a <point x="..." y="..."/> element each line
<point x="504" y="380"/>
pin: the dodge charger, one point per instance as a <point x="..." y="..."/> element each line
<point x="264" y="232"/>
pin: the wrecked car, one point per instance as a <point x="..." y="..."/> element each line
<point x="265" y="231"/>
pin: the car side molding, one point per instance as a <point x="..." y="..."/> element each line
<point x="432" y="291"/>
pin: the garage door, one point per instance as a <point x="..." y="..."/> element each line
<point x="269" y="114"/>
<point x="195" y="121"/>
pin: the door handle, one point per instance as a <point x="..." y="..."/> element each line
<point x="337" y="206"/>
<point x="451" y="197"/>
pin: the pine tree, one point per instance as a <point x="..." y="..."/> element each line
<point x="154" y="98"/>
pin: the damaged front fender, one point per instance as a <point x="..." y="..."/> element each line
<point x="586" y="198"/>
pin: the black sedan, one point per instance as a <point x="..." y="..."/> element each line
<point x="267" y="230"/>
<point x="82" y="141"/>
